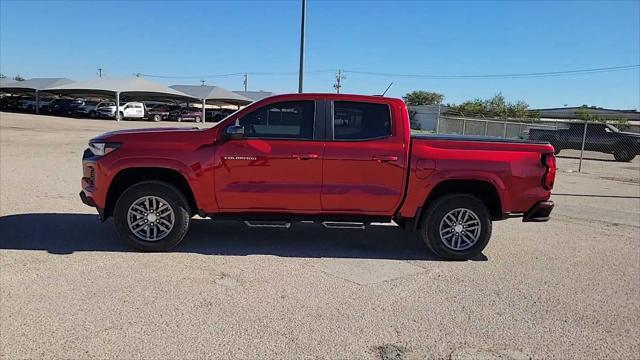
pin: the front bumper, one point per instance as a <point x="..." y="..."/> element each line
<point x="89" y="202"/>
<point x="539" y="212"/>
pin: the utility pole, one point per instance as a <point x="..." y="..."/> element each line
<point x="100" y="72"/>
<point x="245" y="81"/>
<point x="339" y="78"/>
<point x="301" y="71"/>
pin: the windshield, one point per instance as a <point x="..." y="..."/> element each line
<point x="613" y="128"/>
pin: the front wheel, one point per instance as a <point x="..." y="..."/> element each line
<point x="157" y="117"/>
<point x="152" y="216"/>
<point x="456" y="227"/>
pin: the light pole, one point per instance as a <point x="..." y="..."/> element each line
<point x="301" y="71"/>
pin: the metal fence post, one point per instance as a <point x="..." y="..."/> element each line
<point x="504" y="133"/>
<point x="438" y="121"/>
<point x="486" y="127"/>
<point x="464" y="126"/>
<point x="584" y="136"/>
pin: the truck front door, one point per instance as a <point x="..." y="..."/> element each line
<point x="364" y="159"/>
<point x="277" y="166"/>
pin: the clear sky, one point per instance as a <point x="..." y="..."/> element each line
<point x="72" y="39"/>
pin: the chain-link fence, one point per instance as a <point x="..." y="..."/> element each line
<point x="581" y="145"/>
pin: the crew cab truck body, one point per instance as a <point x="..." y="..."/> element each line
<point x="342" y="160"/>
<point x="600" y="137"/>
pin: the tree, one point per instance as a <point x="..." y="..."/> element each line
<point x="19" y="78"/>
<point x="586" y="113"/>
<point x="3" y="76"/>
<point x="423" y="98"/>
<point x="497" y="107"/>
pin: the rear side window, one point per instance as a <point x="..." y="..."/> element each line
<point x="360" y="121"/>
<point x="285" y="120"/>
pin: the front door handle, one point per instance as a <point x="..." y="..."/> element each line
<point x="305" y="156"/>
<point x="381" y="158"/>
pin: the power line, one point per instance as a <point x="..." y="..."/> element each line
<point x="259" y="73"/>
<point x="503" y="76"/>
<point x="423" y="76"/>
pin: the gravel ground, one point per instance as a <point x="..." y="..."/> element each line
<point x="569" y="288"/>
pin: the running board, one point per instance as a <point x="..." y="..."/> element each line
<point x="268" y="224"/>
<point x="342" y="225"/>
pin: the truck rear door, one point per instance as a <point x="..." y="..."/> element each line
<point x="364" y="159"/>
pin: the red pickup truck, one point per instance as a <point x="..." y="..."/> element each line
<point x="341" y="160"/>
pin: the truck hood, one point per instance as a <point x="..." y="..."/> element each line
<point x="132" y="134"/>
<point x="631" y="134"/>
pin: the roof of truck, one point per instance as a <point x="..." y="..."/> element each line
<point x="345" y="97"/>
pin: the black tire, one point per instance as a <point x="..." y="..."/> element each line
<point x="169" y="194"/>
<point x="157" y="118"/>
<point x="120" y="116"/>
<point x="92" y="114"/>
<point x="179" y="119"/>
<point x="623" y="154"/>
<point x="198" y="119"/>
<point x="434" y="216"/>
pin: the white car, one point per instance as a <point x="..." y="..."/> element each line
<point x="130" y="110"/>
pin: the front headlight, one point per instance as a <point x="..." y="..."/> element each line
<point x="102" y="148"/>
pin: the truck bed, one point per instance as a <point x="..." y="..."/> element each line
<point x="453" y="137"/>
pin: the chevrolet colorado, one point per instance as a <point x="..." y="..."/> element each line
<point x="342" y="160"/>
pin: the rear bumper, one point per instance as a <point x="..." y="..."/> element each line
<point x="539" y="212"/>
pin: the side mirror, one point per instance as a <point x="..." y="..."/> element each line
<point x="234" y="132"/>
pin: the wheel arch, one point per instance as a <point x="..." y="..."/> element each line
<point x="128" y="177"/>
<point x="483" y="190"/>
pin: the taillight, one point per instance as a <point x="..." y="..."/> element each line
<point x="549" y="161"/>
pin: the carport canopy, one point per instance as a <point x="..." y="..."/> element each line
<point x="32" y="85"/>
<point x="132" y="88"/>
<point x="213" y="95"/>
<point x="35" y="86"/>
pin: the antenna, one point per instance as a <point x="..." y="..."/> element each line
<point x="387" y="89"/>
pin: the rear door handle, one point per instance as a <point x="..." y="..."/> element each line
<point x="381" y="158"/>
<point x="305" y="156"/>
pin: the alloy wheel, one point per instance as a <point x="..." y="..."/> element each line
<point x="460" y="229"/>
<point x="150" y="218"/>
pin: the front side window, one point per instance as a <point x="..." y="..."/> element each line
<point x="286" y="120"/>
<point x="360" y="121"/>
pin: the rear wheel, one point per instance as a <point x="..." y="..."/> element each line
<point x="623" y="154"/>
<point x="456" y="227"/>
<point x="152" y="216"/>
<point x="179" y="119"/>
<point x="120" y="116"/>
<point x="197" y="118"/>
<point x="157" y="117"/>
